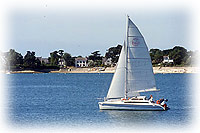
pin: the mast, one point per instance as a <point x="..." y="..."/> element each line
<point x="126" y="57"/>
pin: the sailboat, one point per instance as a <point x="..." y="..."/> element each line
<point x="133" y="75"/>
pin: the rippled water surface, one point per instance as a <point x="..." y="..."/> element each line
<point x="72" y="100"/>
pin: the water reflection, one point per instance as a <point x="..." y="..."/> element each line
<point x="136" y="118"/>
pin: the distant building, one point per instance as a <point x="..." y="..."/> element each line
<point x="81" y="62"/>
<point x="43" y="60"/>
<point x="167" y="60"/>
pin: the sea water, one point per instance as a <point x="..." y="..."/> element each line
<point x="71" y="100"/>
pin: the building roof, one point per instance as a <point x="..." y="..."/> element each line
<point x="80" y="58"/>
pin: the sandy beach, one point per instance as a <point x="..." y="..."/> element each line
<point x="112" y="70"/>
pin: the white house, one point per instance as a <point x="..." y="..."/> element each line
<point x="167" y="60"/>
<point x="81" y="62"/>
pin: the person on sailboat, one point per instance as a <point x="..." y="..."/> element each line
<point x="163" y="101"/>
<point x="151" y="98"/>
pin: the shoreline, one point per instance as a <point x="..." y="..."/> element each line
<point x="112" y="70"/>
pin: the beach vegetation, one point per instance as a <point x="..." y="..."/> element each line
<point x="30" y="60"/>
<point x="69" y="59"/>
<point x="179" y="55"/>
<point x="15" y="61"/>
<point x="113" y="53"/>
<point x="95" y="59"/>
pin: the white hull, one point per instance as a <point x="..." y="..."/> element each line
<point x="121" y="105"/>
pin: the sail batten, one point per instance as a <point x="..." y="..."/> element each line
<point x="134" y="72"/>
<point x="136" y="36"/>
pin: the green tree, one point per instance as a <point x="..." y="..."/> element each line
<point x="156" y="56"/>
<point x="14" y="58"/>
<point x="38" y="63"/>
<point x="167" y="52"/>
<point x="30" y="60"/>
<point x="68" y="59"/>
<point x="114" y="53"/>
<point x="179" y="55"/>
<point x="54" y="58"/>
<point x="96" y="58"/>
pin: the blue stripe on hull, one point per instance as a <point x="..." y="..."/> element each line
<point x="130" y="107"/>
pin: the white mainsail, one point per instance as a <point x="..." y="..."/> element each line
<point x="134" y="72"/>
<point x="139" y="68"/>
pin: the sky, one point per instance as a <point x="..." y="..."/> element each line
<point x="81" y="31"/>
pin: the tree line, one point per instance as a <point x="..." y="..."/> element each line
<point x="15" y="60"/>
<point x="179" y="55"/>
